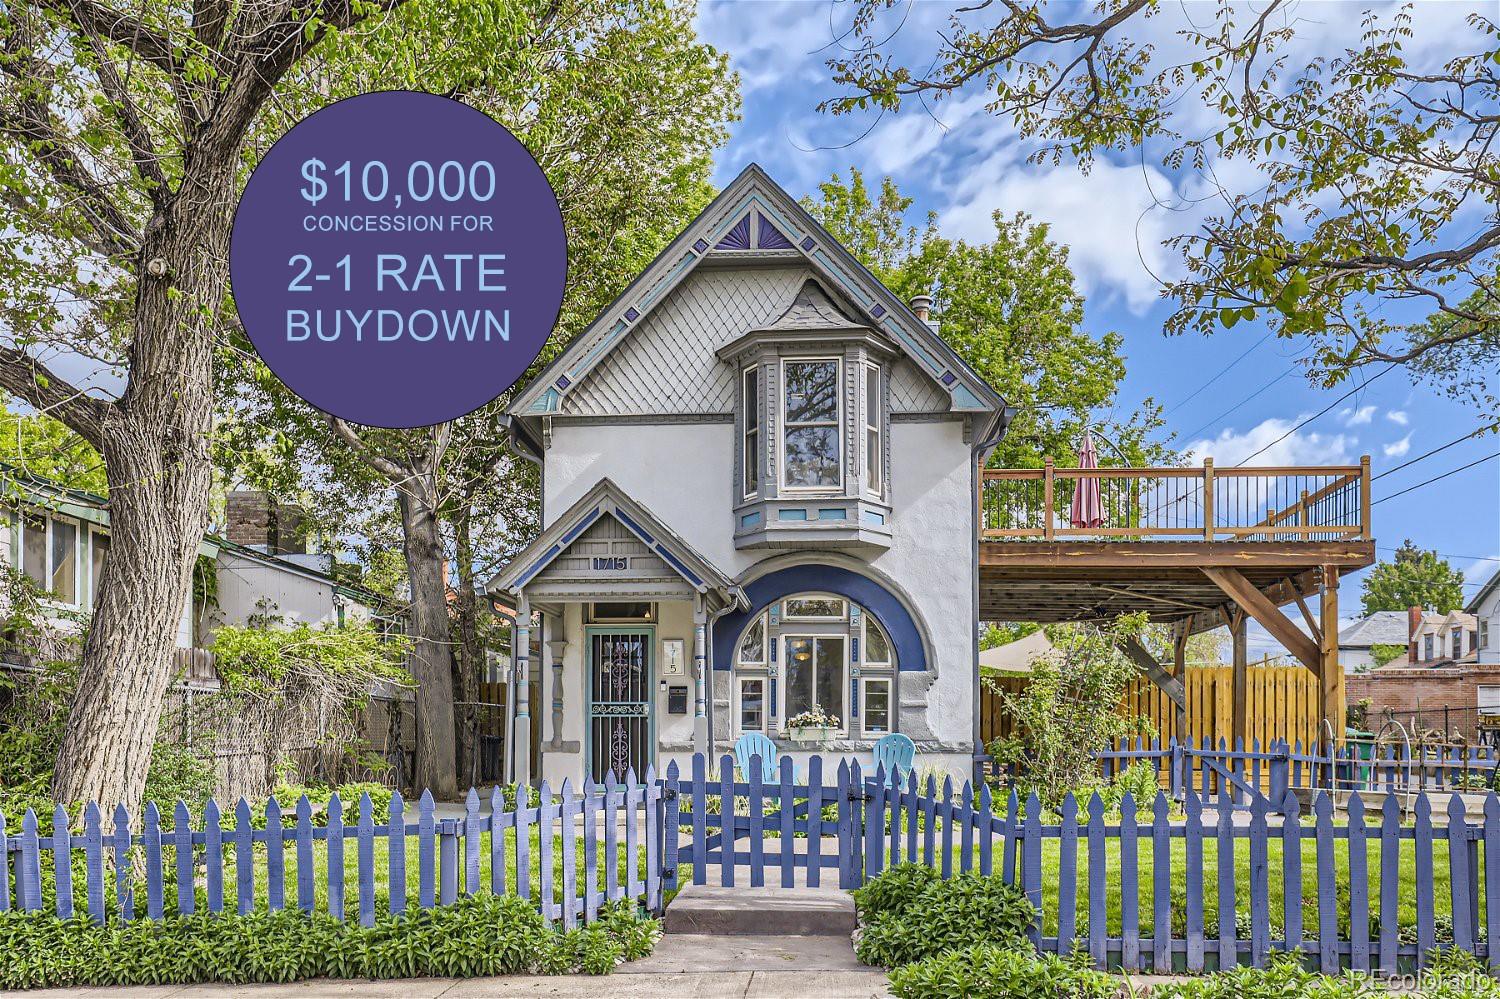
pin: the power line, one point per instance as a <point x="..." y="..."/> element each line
<point x="1222" y="372"/>
<point x="1428" y="482"/>
<point x="1482" y="558"/>
<point x="1237" y="405"/>
<point x="1302" y="423"/>
<point x="1429" y="454"/>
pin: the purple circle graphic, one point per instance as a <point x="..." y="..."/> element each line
<point x="398" y="259"/>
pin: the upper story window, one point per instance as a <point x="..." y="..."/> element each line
<point x="811" y="417"/>
<point x="1427" y="647"/>
<point x="1482" y="641"/>
<point x="751" y="484"/>
<point x="874" y="453"/>
<point x="1458" y="642"/>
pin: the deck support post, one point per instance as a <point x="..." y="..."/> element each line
<point x="1328" y="649"/>
<point x="1179" y="670"/>
<point x="1240" y="729"/>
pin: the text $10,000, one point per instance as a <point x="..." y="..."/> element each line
<point x="449" y="181"/>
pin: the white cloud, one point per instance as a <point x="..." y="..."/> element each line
<point x="1300" y="448"/>
<point x="1481" y="569"/>
<point x="1399" y="448"/>
<point x="1398" y="416"/>
<point x="1356" y="417"/>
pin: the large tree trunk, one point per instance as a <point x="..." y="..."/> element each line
<point x="431" y="658"/>
<point x="471" y="654"/>
<point x="155" y="444"/>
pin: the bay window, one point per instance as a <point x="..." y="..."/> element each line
<point x="810" y="417"/>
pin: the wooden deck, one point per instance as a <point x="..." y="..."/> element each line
<point x="1194" y="548"/>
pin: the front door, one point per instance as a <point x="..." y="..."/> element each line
<point x="619" y="701"/>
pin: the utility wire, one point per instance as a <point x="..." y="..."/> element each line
<point x="1322" y="412"/>
<point x="1237" y="405"/>
<point x="1222" y="372"/>
<point x="1428" y="482"/>
<point x="1429" y="454"/>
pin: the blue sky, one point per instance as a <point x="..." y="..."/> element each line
<point x="964" y="164"/>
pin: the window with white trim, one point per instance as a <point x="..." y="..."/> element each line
<point x="750" y="483"/>
<point x="98" y="553"/>
<point x="49" y="553"/>
<point x="815" y="650"/>
<point x="875" y="705"/>
<point x="752" y="709"/>
<point x="811" y="411"/>
<point x="874" y="453"/>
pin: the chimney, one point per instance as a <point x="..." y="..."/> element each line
<point x="922" y="306"/>
<point x="1413" y="623"/>
<point x="256" y="520"/>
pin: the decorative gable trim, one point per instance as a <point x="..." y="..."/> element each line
<point x="754" y="210"/>
<point x="606" y="499"/>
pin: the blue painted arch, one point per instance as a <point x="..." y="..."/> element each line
<point x="889" y="610"/>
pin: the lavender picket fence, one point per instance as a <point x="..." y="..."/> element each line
<point x="1164" y="886"/>
<point x="532" y="852"/>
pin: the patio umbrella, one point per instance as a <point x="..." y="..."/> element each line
<point x="1087" y="510"/>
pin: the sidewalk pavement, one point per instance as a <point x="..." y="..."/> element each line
<point x="684" y="964"/>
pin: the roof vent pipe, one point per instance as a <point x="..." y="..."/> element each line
<point x="922" y="306"/>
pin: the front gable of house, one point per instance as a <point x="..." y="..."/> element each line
<point x="737" y="267"/>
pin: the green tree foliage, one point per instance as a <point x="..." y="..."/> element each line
<point x="1375" y="168"/>
<point x="1414" y="578"/>
<point x="1066" y="712"/>
<point x="39" y="445"/>
<point x="1009" y="307"/>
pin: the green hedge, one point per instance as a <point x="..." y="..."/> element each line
<point x="907" y="913"/>
<point x="991" y="972"/>
<point x="480" y="935"/>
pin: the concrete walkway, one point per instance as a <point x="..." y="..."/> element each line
<point x="684" y="964"/>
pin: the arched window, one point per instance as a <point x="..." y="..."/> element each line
<point x="815" y="653"/>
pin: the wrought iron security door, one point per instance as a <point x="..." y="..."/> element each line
<point x="619" y="701"/>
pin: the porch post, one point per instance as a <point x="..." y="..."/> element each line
<point x="700" y="660"/>
<point x="1328" y="652"/>
<point x="556" y="646"/>
<point x="1239" y="675"/>
<point x="522" y="655"/>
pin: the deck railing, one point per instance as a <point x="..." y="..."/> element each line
<point x="1282" y="503"/>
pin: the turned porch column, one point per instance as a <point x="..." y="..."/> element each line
<point x="556" y="646"/>
<point x="700" y="677"/>
<point x="521" y="743"/>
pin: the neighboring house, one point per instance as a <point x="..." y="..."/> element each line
<point x="1380" y="628"/>
<point x="1486" y="610"/>
<point x="759" y="469"/>
<point x="1442" y="639"/>
<point x="59" y="537"/>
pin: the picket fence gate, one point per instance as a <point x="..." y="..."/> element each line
<point x="621" y="819"/>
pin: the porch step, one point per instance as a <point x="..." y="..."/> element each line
<point x="812" y="912"/>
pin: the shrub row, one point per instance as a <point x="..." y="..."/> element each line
<point x="908" y="913"/>
<point x="480" y="935"/>
<point x="991" y="972"/>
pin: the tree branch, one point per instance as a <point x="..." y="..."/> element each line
<point x="27" y="378"/>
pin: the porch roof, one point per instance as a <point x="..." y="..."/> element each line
<point x="606" y="499"/>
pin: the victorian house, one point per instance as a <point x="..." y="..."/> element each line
<point x="760" y="472"/>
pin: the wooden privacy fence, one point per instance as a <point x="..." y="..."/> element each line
<point x="1282" y="704"/>
<point x="549" y="853"/>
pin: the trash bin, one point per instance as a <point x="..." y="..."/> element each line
<point x="1362" y="745"/>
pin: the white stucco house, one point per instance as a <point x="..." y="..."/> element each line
<point x="1486" y="610"/>
<point x="759" y="477"/>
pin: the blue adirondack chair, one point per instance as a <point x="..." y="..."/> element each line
<point x="895" y="752"/>
<point x="753" y="744"/>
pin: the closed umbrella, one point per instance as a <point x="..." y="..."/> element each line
<point x="1088" y="509"/>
